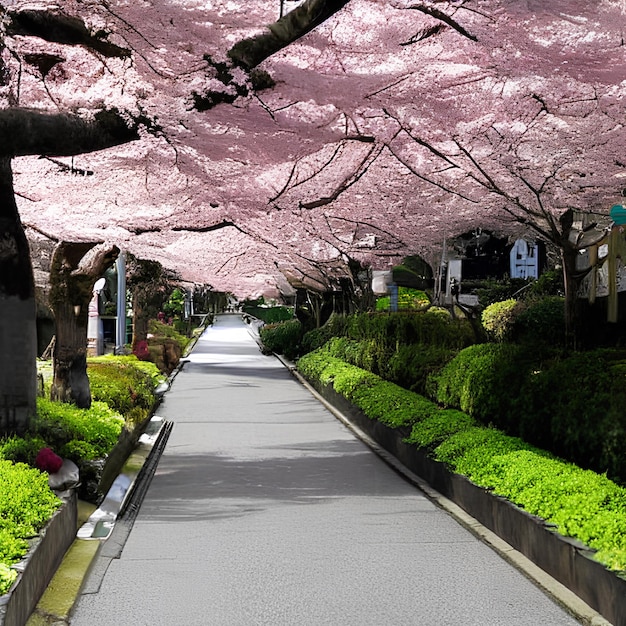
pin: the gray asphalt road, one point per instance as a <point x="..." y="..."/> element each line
<point x="265" y="510"/>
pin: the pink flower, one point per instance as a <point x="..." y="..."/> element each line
<point x="48" y="461"/>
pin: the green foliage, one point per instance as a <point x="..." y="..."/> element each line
<point x="408" y="300"/>
<point x="498" y="318"/>
<point x="482" y="380"/>
<point x="123" y="382"/>
<point x="431" y="327"/>
<point x="159" y="329"/>
<point x="377" y="398"/>
<point x="283" y="338"/>
<point x="175" y="305"/>
<point x="26" y="504"/>
<point x="439" y="426"/>
<point x="574" y="406"/>
<point x="313" y="339"/>
<point x="541" y="321"/>
<point x="7" y="576"/>
<point x="580" y="503"/>
<point x="21" y="449"/>
<point x="269" y="315"/>
<point x="59" y="423"/>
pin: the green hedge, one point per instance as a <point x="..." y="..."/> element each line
<point x="572" y="406"/>
<point x="283" y="338"/>
<point x="125" y="384"/>
<point x="580" y="503"/>
<point x="26" y="504"/>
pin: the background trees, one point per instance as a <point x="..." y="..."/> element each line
<point x="382" y="129"/>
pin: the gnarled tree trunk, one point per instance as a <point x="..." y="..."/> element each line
<point x="18" y="330"/>
<point x="75" y="268"/>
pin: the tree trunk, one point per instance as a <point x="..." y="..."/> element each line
<point x="141" y="318"/>
<point x="18" y="330"/>
<point x="570" y="282"/>
<point x="74" y="270"/>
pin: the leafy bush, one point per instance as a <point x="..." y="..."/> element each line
<point x="498" y="318"/>
<point x="26" y="504"/>
<point x="269" y="315"/>
<point x="7" y="576"/>
<point x="438" y="427"/>
<point x="431" y="327"/>
<point x="335" y="326"/>
<point x="582" y="504"/>
<point x="408" y="299"/>
<point x="283" y="338"/>
<point x="483" y="380"/>
<point x="59" y="423"/>
<point x="123" y="382"/>
<point x="574" y="406"/>
<point x="159" y="329"/>
<point x="21" y="449"/>
<point x="541" y="321"/>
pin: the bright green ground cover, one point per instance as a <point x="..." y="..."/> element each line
<point x="123" y="391"/>
<point x="580" y="503"/>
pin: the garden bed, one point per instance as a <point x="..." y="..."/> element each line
<point x="40" y="564"/>
<point x="566" y="560"/>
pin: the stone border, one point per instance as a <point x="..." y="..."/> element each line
<point x="566" y="560"/>
<point x="40" y="564"/>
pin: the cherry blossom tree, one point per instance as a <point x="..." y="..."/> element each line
<point x="368" y="129"/>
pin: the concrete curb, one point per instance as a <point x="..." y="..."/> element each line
<point x="57" y="603"/>
<point x="563" y="596"/>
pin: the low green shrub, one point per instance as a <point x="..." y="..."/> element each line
<point x="431" y="327"/>
<point x="541" y="321"/>
<point x="498" y="318"/>
<point x="21" y="449"/>
<point x="408" y="300"/>
<point x="269" y="314"/>
<point x="123" y="382"/>
<point x="7" y="576"/>
<point x="283" y="338"/>
<point x="574" y="406"/>
<point x="26" y="504"/>
<point x="439" y="426"/>
<point x="580" y="503"/>
<point x="59" y="423"/>
<point x="159" y="329"/>
<point x="483" y="380"/>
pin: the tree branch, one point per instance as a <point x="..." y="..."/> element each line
<point x="249" y="53"/>
<point x="27" y="132"/>
<point x="446" y="19"/>
<point x="58" y="27"/>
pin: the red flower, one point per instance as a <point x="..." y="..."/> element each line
<point x="48" y="461"/>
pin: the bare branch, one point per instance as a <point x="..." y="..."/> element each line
<point x="446" y="19"/>
<point x="58" y="27"/>
<point x="350" y="180"/>
<point x="249" y="53"/>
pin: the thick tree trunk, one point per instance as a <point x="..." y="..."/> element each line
<point x="75" y="268"/>
<point x="18" y="330"/>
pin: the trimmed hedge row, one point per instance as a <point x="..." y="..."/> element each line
<point x="580" y="503"/>
<point x="572" y="406"/>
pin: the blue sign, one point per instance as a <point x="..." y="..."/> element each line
<point x="618" y="214"/>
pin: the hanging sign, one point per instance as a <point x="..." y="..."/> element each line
<point x="618" y="214"/>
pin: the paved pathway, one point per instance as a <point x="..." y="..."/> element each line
<point x="266" y="510"/>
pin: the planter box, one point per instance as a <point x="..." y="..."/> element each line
<point x="41" y="563"/>
<point x="566" y="560"/>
